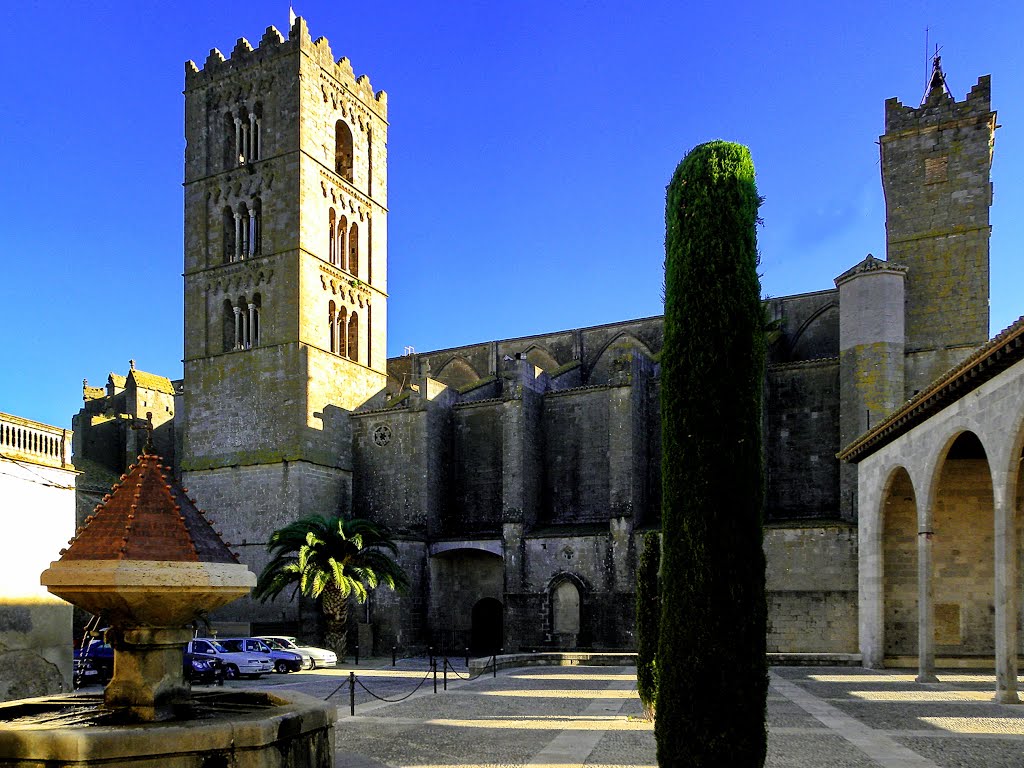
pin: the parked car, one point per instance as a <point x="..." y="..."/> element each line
<point x="277" y="645"/>
<point x="236" y="664"/>
<point x="93" y="664"/>
<point x="322" y="657"/>
<point x="284" y="661"/>
<point x="203" y="668"/>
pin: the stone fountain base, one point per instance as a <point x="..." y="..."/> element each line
<point x="223" y="729"/>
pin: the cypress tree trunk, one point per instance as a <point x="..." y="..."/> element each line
<point x="712" y="670"/>
<point x="648" y="614"/>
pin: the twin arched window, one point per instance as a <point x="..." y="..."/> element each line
<point x="344" y="331"/>
<point x="243" y="231"/>
<point x="243" y="138"/>
<point x="343" y="243"/>
<point x="241" y="323"/>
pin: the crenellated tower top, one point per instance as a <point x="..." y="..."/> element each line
<point x="273" y="44"/>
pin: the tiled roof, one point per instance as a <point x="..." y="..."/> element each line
<point x="116" y="380"/>
<point x="152" y="381"/>
<point x="985" y="363"/>
<point x="148" y="516"/>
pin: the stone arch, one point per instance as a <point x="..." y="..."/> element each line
<point x="460" y="580"/>
<point x="899" y="564"/>
<point x="456" y="372"/>
<point x="961" y="530"/>
<point x="614" y="355"/>
<point x="541" y="358"/>
<point x="818" y="336"/>
<point x="566" y="592"/>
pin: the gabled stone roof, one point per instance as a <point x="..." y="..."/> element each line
<point x="992" y="358"/>
<point x="152" y="381"/>
<point x="148" y="516"/>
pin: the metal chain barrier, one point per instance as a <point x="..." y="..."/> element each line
<point x="403" y="698"/>
<point x="469" y="677"/>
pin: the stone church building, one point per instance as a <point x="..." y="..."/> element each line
<point x="518" y="475"/>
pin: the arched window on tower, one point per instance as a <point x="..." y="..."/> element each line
<point x="343" y="150"/>
<point x="230" y="142"/>
<point x="341" y="243"/>
<point x="228" y="325"/>
<point x="255" y="321"/>
<point x="332" y="326"/>
<point x="353" y="249"/>
<point x="342" y="332"/>
<point x="330" y="236"/>
<point x="228" y="226"/>
<point x="256" y="228"/>
<point x="244" y="231"/>
<point x="353" y="337"/>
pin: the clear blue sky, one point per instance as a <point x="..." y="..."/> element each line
<point x="529" y="147"/>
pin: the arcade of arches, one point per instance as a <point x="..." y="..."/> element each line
<point x="940" y="522"/>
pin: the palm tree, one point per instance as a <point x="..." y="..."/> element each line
<point x="331" y="559"/>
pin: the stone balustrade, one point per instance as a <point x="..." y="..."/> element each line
<point x="34" y="442"/>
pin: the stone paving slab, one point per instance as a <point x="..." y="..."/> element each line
<point x="824" y="717"/>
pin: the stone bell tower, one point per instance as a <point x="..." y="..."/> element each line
<point x="936" y="163"/>
<point x="285" y="281"/>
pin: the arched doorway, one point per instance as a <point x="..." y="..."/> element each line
<point x="565" y="614"/>
<point x="488" y="628"/>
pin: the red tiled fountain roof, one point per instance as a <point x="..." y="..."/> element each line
<point x="148" y="516"/>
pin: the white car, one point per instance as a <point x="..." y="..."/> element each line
<point x="235" y="664"/>
<point x="322" y="657"/>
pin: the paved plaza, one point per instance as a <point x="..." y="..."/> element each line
<point x="834" y="717"/>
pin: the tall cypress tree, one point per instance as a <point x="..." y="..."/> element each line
<point x="648" y="615"/>
<point x="712" y="669"/>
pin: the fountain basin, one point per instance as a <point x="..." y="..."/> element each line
<point x="222" y="729"/>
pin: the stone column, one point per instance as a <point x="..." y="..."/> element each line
<point x="252" y="234"/>
<point x="257" y="151"/>
<point x="925" y="607"/>
<point x="238" y="139"/>
<point x="252" y="137"/>
<point x="871" y="589"/>
<point x="251" y="340"/>
<point x="148" y="680"/>
<point x="238" y="327"/>
<point x="1005" y="591"/>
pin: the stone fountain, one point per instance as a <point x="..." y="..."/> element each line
<point x="150" y="563"/>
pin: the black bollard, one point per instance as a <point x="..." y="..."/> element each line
<point x="467" y="658"/>
<point x="357" y="655"/>
<point x="494" y="665"/>
<point x="433" y="666"/>
<point x="446" y="673"/>
<point x="430" y="653"/>
<point x="352" y="693"/>
<point x="394" y="655"/>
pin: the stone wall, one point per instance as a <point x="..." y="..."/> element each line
<point x="811" y="583"/>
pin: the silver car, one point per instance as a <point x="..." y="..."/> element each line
<point x="322" y="657"/>
<point x="235" y="664"/>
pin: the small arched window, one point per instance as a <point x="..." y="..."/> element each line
<point x="244" y="231"/>
<point x="330" y="236"/>
<point x="228" y="325"/>
<point x="353" y="249"/>
<point x="230" y="155"/>
<point x="353" y="337"/>
<point x="343" y="155"/>
<point x="256" y="228"/>
<point x="228" y="232"/>
<point x="342" y="332"/>
<point x="332" y="326"/>
<point x="341" y="243"/>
